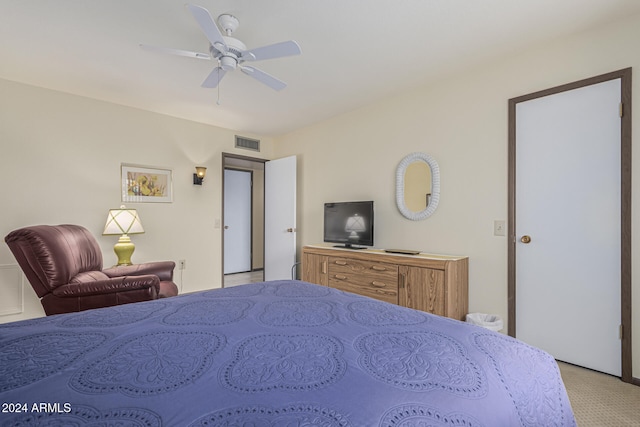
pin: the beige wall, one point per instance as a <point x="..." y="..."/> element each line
<point x="462" y="122"/>
<point x="60" y="163"/>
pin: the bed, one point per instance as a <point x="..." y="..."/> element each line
<point x="281" y="353"/>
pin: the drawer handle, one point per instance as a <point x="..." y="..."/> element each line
<point x="340" y="277"/>
<point x="340" y="262"/>
<point x="378" y="268"/>
<point x="379" y="284"/>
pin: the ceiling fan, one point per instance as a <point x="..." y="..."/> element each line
<point x="229" y="52"/>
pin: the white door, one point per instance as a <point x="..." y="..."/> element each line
<point x="280" y="218"/>
<point x="237" y="221"/>
<point x="568" y="202"/>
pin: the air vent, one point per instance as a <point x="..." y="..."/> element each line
<point x="247" y="143"/>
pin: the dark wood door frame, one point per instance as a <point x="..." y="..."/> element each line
<point x="625" y="182"/>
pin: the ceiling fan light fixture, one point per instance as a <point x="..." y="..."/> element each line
<point x="228" y="63"/>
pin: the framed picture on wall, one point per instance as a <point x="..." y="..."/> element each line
<point x="146" y="184"/>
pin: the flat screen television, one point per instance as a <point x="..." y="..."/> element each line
<point x="349" y="223"/>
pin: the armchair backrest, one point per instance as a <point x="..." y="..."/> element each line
<point x="51" y="255"/>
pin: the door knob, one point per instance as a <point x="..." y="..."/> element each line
<point x="525" y="239"/>
<point x="226" y="227"/>
<point x="289" y="230"/>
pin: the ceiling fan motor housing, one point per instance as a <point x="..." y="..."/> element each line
<point x="229" y="56"/>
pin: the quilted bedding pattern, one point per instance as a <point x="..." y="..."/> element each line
<point x="282" y="353"/>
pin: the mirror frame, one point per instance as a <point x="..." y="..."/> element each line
<point x="435" y="186"/>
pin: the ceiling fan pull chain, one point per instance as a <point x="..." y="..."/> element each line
<point x="218" y="100"/>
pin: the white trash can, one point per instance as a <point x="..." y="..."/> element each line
<point x="488" y="321"/>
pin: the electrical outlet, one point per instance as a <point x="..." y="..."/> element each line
<point x="499" y="228"/>
<point x="182" y="264"/>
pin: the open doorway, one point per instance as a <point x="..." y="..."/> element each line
<point x="250" y="254"/>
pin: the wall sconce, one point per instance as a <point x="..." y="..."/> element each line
<point x="198" y="177"/>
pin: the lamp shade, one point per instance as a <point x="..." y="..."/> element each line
<point x="123" y="221"/>
<point x="201" y="171"/>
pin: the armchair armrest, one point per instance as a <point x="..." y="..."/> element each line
<point x="108" y="286"/>
<point x="162" y="269"/>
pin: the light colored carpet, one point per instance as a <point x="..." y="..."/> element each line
<point x="600" y="400"/>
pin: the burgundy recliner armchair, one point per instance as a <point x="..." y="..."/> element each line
<point x="63" y="263"/>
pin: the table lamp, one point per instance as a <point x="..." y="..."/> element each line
<point x="123" y="221"/>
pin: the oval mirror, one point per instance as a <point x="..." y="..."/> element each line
<point x="417" y="186"/>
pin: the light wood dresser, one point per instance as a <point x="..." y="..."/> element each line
<point x="437" y="284"/>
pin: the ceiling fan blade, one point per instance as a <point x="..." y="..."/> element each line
<point x="271" y="51"/>
<point x="263" y="77"/>
<point x="179" y="52"/>
<point x="214" y="78"/>
<point x="208" y="26"/>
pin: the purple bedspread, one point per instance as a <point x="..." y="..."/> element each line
<point x="283" y="353"/>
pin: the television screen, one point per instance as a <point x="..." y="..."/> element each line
<point x="349" y="223"/>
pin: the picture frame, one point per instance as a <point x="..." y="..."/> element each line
<point x="146" y="184"/>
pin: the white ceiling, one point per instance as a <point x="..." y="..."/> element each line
<point x="354" y="52"/>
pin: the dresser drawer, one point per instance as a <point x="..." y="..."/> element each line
<point x="373" y="279"/>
